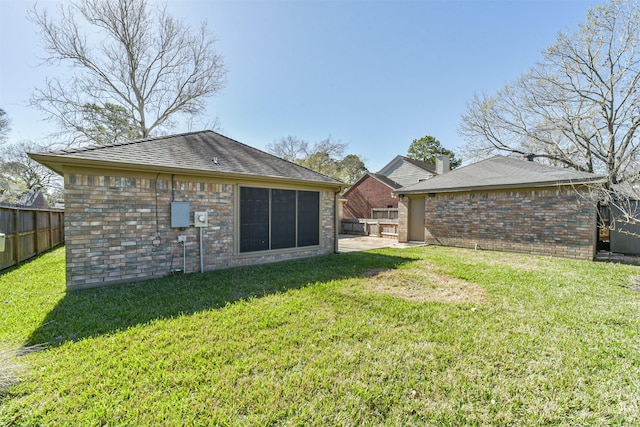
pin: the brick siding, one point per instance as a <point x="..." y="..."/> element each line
<point x="403" y="219"/>
<point x="540" y="221"/>
<point x="366" y="195"/>
<point x="118" y="229"/>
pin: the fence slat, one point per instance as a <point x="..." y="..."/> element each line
<point x="27" y="235"/>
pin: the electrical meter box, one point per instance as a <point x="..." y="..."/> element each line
<point x="2" y="239"/>
<point x="180" y="214"/>
<point x="200" y="219"/>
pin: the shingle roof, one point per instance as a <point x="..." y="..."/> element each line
<point x="385" y="180"/>
<point x="499" y="172"/>
<point x="206" y="152"/>
<point x="422" y="165"/>
<point x="381" y="178"/>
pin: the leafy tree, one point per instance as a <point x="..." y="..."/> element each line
<point x="326" y="157"/>
<point x="578" y="108"/>
<point x="351" y="168"/>
<point x="127" y="56"/>
<point x="427" y="149"/>
<point x="108" y="124"/>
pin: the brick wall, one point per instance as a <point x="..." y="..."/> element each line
<point x="118" y="228"/>
<point x="403" y="219"/>
<point x="541" y="221"/>
<point x="366" y="195"/>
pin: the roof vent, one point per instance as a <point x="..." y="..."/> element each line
<point x="215" y="161"/>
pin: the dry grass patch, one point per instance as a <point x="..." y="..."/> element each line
<point x="423" y="284"/>
<point x="10" y="368"/>
<point x="634" y="283"/>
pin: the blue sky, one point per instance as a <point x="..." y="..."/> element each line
<point x="373" y="74"/>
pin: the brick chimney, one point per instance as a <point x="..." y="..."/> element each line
<point x="442" y="164"/>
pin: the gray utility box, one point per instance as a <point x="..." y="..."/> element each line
<point x="2" y="239"/>
<point x="180" y="214"/>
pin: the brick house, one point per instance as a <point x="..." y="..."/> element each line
<point x="371" y="191"/>
<point x="375" y="190"/>
<point x="503" y="204"/>
<point x="191" y="202"/>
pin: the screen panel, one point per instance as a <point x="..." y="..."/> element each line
<point x="283" y="219"/>
<point x="308" y="218"/>
<point x="254" y="219"/>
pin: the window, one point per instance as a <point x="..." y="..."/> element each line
<point x="283" y="219"/>
<point x="254" y="219"/>
<point x="308" y="218"/>
<point x="278" y="219"/>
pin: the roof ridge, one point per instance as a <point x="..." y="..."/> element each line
<point x="95" y="146"/>
<point x="419" y="163"/>
<point x="524" y="161"/>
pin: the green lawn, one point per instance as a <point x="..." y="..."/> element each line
<point x="399" y="337"/>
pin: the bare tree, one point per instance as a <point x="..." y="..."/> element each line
<point x="129" y="54"/>
<point x="20" y="173"/>
<point x="325" y="156"/>
<point x="290" y="148"/>
<point x="4" y="126"/>
<point x="579" y="108"/>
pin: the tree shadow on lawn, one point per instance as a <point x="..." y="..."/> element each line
<point x="94" y="312"/>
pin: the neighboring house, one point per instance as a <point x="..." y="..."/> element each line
<point x="133" y="209"/>
<point x="406" y="171"/>
<point x="503" y="204"/>
<point x="375" y="190"/>
<point x="371" y="191"/>
<point x="32" y="199"/>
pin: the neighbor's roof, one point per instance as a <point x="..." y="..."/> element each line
<point x="188" y="153"/>
<point x="385" y="180"/>
<point x="428" y="167"/>
<point x="500" y="172"/>
<point x="422" y="165"/>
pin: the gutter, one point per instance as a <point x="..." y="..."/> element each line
<point x="596" y="180"/>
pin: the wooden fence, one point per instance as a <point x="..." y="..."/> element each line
<point x="29" y="232"/>
<point x="370" y="227"/>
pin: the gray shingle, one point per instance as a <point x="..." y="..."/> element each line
<point x="499" y="172"/>
<point x="194" y="151"/>
<point x="385" y="180"/>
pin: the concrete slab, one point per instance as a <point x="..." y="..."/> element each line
<point x="349" y="243"/>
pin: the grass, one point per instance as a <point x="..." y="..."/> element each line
<point x="417" y="336"/>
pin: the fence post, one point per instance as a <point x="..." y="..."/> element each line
<point x="36" y="247"/>
<point x="50" y="228"/>
<point x="16" y="235"/>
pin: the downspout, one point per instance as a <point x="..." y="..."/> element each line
<point x="336" y="220"/>
<point x="201" y="252"/>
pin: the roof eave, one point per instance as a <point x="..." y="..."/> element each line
<point x="59" y="163"/>
<point x="595" y="180"/>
